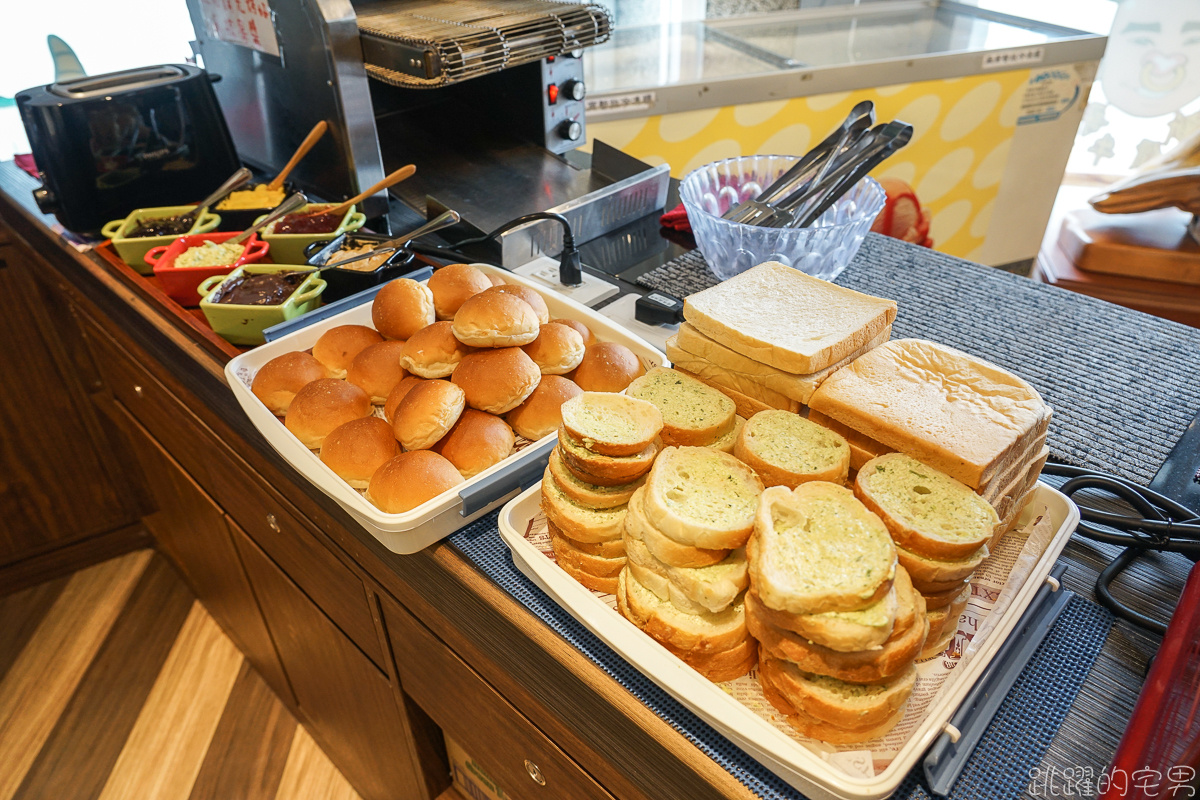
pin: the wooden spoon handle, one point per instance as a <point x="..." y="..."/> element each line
<point x="313" y="137"/>
<point x="391" y="180"/>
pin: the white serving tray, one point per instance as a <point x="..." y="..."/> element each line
<point x="437" y="518"/>
<point x="798" y="765"/>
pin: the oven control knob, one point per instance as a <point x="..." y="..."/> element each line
<point x="570" y="129"/>
<point x="574" y="90"/>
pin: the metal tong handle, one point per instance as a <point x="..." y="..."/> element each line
<point x="858" y="120"/>
<point x="293" y="203"/>
<point x="234" y="181"/>
<point x="443" y="220"/>
<point x="847" y="181"/>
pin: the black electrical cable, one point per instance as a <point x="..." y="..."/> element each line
<point x="1157" y="523"/>
<point x="569" y="269"/>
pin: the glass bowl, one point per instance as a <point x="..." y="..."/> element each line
<point x="822" y="250"/>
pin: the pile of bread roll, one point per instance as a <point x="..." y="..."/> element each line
<point x="452" y="377"/>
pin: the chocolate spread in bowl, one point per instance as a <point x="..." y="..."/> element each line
<point x="308" y="223"/>
<point x="259" y="290"/>
<point x="163" y="226"/>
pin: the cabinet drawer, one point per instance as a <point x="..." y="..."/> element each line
<point x="508" y="746"/>
<point x="328" y="582"/>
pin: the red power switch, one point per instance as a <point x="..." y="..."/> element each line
<point x="552" y="93"/>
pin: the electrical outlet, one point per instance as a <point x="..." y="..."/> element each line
<point x="544" y="270"/>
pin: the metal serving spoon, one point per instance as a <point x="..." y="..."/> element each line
<point x="292" y="203"/>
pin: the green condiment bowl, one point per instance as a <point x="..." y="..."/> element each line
<point x="133" y="251"/>
<point x="288" y="248"/>
<point x="242" y="324"/>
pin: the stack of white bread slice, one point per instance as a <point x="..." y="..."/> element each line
<point x="693" y="413"/>
<point x="606" y="445"/>
<point x="685" y="580"/>
<point x="838" y="622"/>
<point x="768" y="337"/>
<point x="940" y="528"/>
<point x="964" y="416"/>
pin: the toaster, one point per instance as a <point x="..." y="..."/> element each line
<point x="107" y="144"/>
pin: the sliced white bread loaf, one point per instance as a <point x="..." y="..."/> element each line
<point x="817" y="548"/>
<point x="579" y="522"/>
<point x="589" y="494"/>
<point x="852" y="706"/>
<point x="664" y="622"/>
<point x="745" y="405"/>
<point x="926" y="511"/>
<point x="953" y="411"/>
<point x="611" y="424"/>
<point x="726" y="442"/>
<point x="603" y="470"/>
<point x="780" y="316"/>
<point x="713" y="587"/>
<point x="691" y="343"/>
<point x="693" y="413"/>
<point x="863" y="666"/>
<point x="788" y="450"/>
<point x="728" y="382"/>
<point x="663" y="547"/>
<point x="701" y="497"/>
<point x="610" y="549"/>
<point x="598" y="566"/>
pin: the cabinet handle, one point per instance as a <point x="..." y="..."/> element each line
<point x="139" y="391"/>
<point x="272" y="523"/>
<point x="534" y="772"/>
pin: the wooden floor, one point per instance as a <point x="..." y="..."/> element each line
<point x="115" y="683"/>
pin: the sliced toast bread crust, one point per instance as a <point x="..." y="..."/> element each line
<point x="853" y="706"/>
<point x="600" y="469"/>
<point x="930" y="570"/>
<point x="951" y="410"/>
<point x="824" y="322"/>
<point x="844" y="631"/>
<point x="693" y="413"/>
<point x="788" y="450"/>
<point x="589" y="494"/>
<point x="596" y="584"/>
<point x="598" y="566"/>
<point x="713" y="587"/>
<point x="927" y="512"/>
<point x="611" y="424"/>
<point x="747" y="400"/>
<point x="663" y="547"/>
<point x="701" y="497"/>
<point x="816" y="548"/>
<point x="696" y="633"/>
<point x="578" y="522"/>
<point x="943" y="597"/>
<point x="610" y="549"/>
<point x="726" y="442"/>
<point x="726" y="665"/>
<point x="943" y="624"/>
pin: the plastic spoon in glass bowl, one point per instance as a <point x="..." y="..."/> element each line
<point x="293" y="203"/>
<point x="443" y="220"/>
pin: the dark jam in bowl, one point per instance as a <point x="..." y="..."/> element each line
<point x="259" y="290"/>
<point x="309" y="223"/>
<point x="166" y="226"/>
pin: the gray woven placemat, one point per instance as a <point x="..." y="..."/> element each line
<point x="1123" y="384"/>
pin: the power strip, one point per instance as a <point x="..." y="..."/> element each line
<point x="621" y="311"/>
<point x="544" y="270"/>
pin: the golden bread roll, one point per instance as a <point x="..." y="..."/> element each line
<point x="397" y="394"/>
<point x="433" y="352"/>
<point x="557" y="349"/>
<point x="477" y="441"/>
<point x="338" y="346"/>
<point x="539" y="415"/>
<point x="529" y="295"/>
<point x="410" y="479"/>
<point x="607" y="367"/>
<point x="355" y="449"/>
<point x="426" y="413"/>
<point x="402" y="308"/>
<point x="589" y="338"/>
<point x="497" y="380"/>
<point x="323" y="405"/>
<point x="281" y="377"/>
<point x="453" y="284"/>
<point x="496" y="319"/>
<point x="495" y="279"/>
<point x="376" y="370"/>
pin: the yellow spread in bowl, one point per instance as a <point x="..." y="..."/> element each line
<point x="258" y="197"/>
<point x="209" y="254"/>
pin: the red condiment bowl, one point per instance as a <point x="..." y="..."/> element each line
<point x="180" y="282"/>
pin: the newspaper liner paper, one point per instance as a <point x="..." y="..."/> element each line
<point x="993" y="586"/>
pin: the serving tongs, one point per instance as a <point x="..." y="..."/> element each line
<point x="807" y="205"/>
<point x="234" y="181"/>
<point x="814" y="164"/>
<point x="443" y="220"/>
<point x="291" y="203"/>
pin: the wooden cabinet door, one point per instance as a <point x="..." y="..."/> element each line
<point x="346" y="703"/>
<point x="56" y="485"/>
<point x="192" y="531"/>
